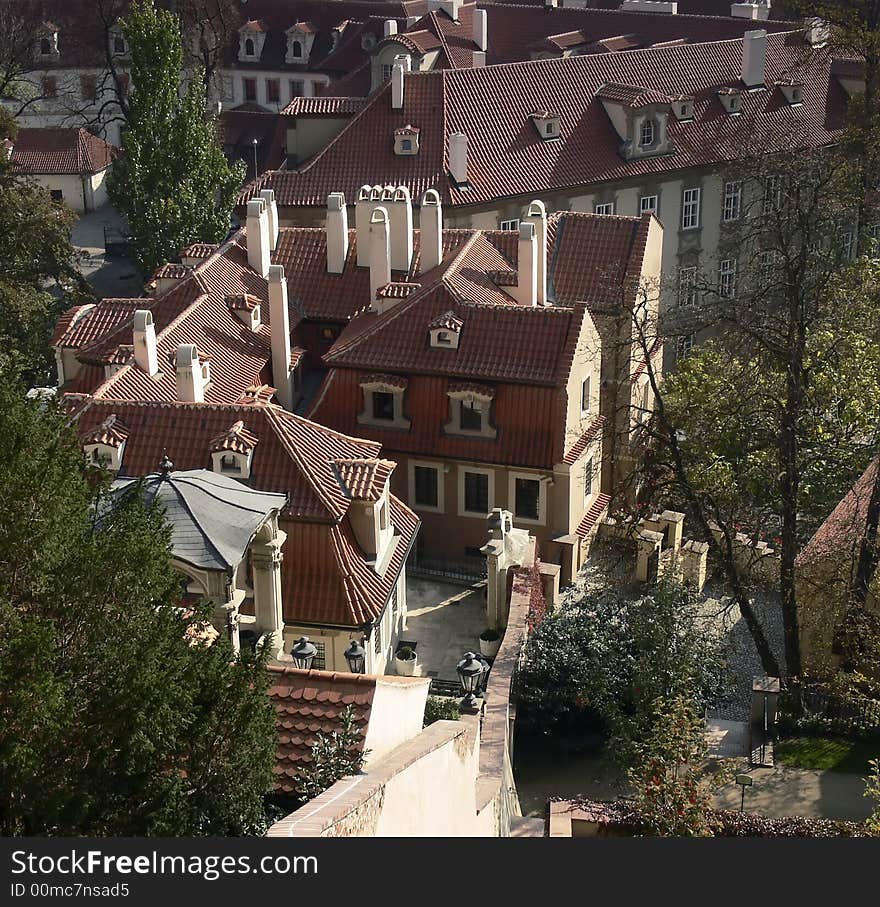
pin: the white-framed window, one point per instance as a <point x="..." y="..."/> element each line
<point x="527" y="497"/>
<point x="469" y="414"/>
<point x="604" y="208"/>
<point x="687" y="285"/>
<point x="512" y="224"/>
<point x="297" y="88"/>
<point x="586" y="392"/>
<point x="426" y="485"/>
<point x="386" y="71"/>
<point x="476" y="491"/>
<point x="647" y="133"/>
<point x="732" y="204"/>
<point x="727" y="278"/>
<point x="588" y="480"/>
<point x="648" y="204"/>
<point x="848" y="245"/>
<point x="772" y="194"/>
<point x="685" y="345"/>
<point x="690" y="209"/>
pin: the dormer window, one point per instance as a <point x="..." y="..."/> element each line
<point x="547" y="124"/>
<point x="647" y="133"/>
<point x="232" y="452"/>
<point x="470" y="411"/>
<point x="639" y="117"/>
<point x="683" y="108"/>
<point x="793" y="91"/>
<point x="249" y="47"/>
<point x="246" y="308"/>
<point x="383" y="402"/>
<point x="105" y="445"/>
<point x="445" y="331"/>
<point x="406" y="140"/>
<point x="368" y="41"/>
<point x="251" y="38"/>
<point x="300" y="38"/>
<point x="45" y="47"/>
<point x="118" y="44"/>
<point x="731" y="98"/>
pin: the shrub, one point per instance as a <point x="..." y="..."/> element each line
<point x="441" y="708"/>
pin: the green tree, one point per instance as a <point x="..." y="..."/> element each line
<point x="872" y="791"/>
<point x="334" y="756"/>
<point x="173" y="183"/>
<point x="37" y="268"/>
<point x="115" y="718"/>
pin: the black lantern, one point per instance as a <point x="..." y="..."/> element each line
<point x="356" y="656"/>
<point x="470" y="671"/>
<point x="303" y="652"/>
<point x="484" y="677"/>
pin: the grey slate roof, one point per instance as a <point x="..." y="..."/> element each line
<point x="213" y="517"/>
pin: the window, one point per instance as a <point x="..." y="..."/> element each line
<point x="383" y="406"/>
<point x="550" y="128"/>
<point x="647" y="133"/>
<point x="512" y="224"/>
<point x="56" y="195"/>
<point x="118" y="44"/>
<point x="727" y="278"/>
<point x="685" y="345"/>
<point x="249" y="47"/>
<point x="476" y="493"/>
<point x="383" y="516"/>
<point x="471" y="415"/>
<point x="766" y="264"/>
<point x="426" y="486"/>
<point x="50" y="87"/>
<point x="588" y="480"/>
<point x="377" y="637"/>
<point x="648" y="204"/>
<point x="605" y="208"/>
<point x="687" y="286"/>
<point x="88" y="88"/>
<point x="406" y="144"/>
<point x="229" y="463"/>
<point x="732" y="207"/>
<point x="772" y="194"/>
<point x="297" y="87"/>
<point x="690" y="209"/>
<point x="250" y="89"/>
<point x="296" y="49"/>
<point x="328" y="333"/>
<point x="527" y="497"/>
<point x="848" y="245"/>
<point x="386" y="71"/>
<point x="45" y="47"/>
<point x="585" y="394"/>
<point x="319" y="662"/>
<point x="273" y="90"/>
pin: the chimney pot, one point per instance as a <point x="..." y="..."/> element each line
<point x="389" y="28"/>
<point x="380" y="252"/>
<point x="337" y="233"/>
<point x="280" y="334"/>
<point x="190" y="386"/>
<point x="397" y="72"/>
<point x="536" y="214"/>
<point x="257" y="227"/>
<point x="754" y="58"/>
<point x="268" y="196"/>
<point x="400" y="222"/>
<point x="146" y="356"/>
<point x="479" y="59"/>
<point x="458" y="152"/>
<point x="431" y="222"/>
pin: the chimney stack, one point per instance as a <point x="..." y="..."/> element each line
<point x="380" y="252"/>
<point x="400" y="221"/>
<point x="458" y="150"/>
<point x="431" y="221"/>
<point x="551" y="4"/>
<point x="397" y="71"/>
<point x="257" y="226"/>
<point x="479" y="59"/>
<point x="754" y="57"/>
<point x="537" y="216"/>
<point x="481" y="29"/>
<point x="526" y="290"/>
<point x="268" y="196"/>
<point x="190" y="386"/>
<point x="337" y="233"/>
<point x="280" y="324"/>
<point x="389" y="27"/>
<point x="145" y="355"/>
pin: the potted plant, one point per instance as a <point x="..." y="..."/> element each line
<point x="490" y="642"/>
<point x="405" y="661"/>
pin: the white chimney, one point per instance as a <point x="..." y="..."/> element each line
<point x="649" y="6"/>
<point x="268" y="196"/>
<point x="389" y="28"/>
<point x="750" y="10"/>
<point x="479" y="59"/>
<point x="458" y="152"/>
<point x="257" y="226"/>
<point x="551" y="4"/>
<point x="481" y="29"/>
<point x="380" y="252"/>
<point x="400" y="219"/>
<point x="431" y="221"/>
<point x="146" y="356"/>
<point x="537" y="216"/>
<point x="526" y="290"/>
<point x="337" y="233"/>
<point x="397" y="72"/>
<point x="190" y="386"/>
<point x="280" y="318"/>
<point x="754" y="57"/>
<point x="450" y="7"/>
<point x="363" y="208"/>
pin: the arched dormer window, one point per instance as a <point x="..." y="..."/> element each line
<point x="249" y="47"/>
<point x="296" y="49"/>
<point x="647" y="133"/>
<point x="45" y="47"/>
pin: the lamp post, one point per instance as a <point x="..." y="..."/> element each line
<point x="743" y="781"/>
<point x="303" y="652"/>
<point x="484" y="677"/>
<point x="469" y="673"/>
<point x="356" y="656"/>
<point x="256" y="168"/>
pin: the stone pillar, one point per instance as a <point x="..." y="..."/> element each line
<point x="648" y="557"/>
<point x="266" y="557"/>
<point x="693" y="564"/>
<point x="673" y="522"/>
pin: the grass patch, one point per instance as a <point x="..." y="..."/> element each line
<point x="827" y="754"/>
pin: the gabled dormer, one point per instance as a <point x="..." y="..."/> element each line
<point x="640" y="117"/>
<point x="246" y="308"/>
<point x="683" y="107"/>
<point x="232" y="452"/>
<point x="46" y="49"/>
<point x="366" y="483"/>
<point x="792" y="90"/>
<point x="731" y="99"/>
<point x="118" y="44"/>
<point x="105" y="445"/>
<point x="300" y="38"/>
<point x="406" y="140"/>
<point x="444" y="331"/>
<point x="547" y="123"/>
<point x="251" y="38"/>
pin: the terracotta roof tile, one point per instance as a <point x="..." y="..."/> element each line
<point x="237" y="438"/>
<point x="364" y="480"/>
<point x="584" y="441"/>
<point x="593" y="515"/>
<point x="54" y="150"/>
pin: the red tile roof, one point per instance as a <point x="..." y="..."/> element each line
<point x="323" y="106"/>
<point x="54" y="150"/>
<point x="593" y="515"/>
<point x="237" y="438"/>
<point x="308" y="703"/>
<point x="491" y="105"/>
<point x="112" y="432"/>
<point x="81" y="326"/>
<point x="584" y="441"/>
<point x="364" y="480"/>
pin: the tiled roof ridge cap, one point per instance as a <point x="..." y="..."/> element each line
<point x="360" y="679"/>
<point x="325" y="429"/>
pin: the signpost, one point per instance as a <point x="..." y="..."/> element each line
<point x="743" y="781"/>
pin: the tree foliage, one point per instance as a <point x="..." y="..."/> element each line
<point x="334" y="756"/>
<point x="113" y="719"/>
<point x="173" y="183"/>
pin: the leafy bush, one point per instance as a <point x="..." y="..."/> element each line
<point x="334" y="756"/>
<point x="441" y="708"/>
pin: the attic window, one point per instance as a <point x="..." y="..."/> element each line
<point x="232" y="452"/>
<point x="731" y="98"/>
<point x="683" y="108"/>
<point x="445" y="331"/>
<point x="406" y="140"/>
<point x="296" y="49"/>
<point x="45" y="47"/>
<point x="249" y="47"/>
<point x="547" y="124"/>
<point x="793" y="92"/>
<point x="470" y="410"/>
<point x="647" y="133"/>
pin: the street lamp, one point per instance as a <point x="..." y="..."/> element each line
<point x="302" y="652"/>
<point x="469" y="673"/>
<point x="356" y="656"/>
<point x="484" y="677"/>
<point x="256" y="169"/>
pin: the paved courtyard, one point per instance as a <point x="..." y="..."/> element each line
<point x="446" y="620"/>
<point x="110" y="276"/>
